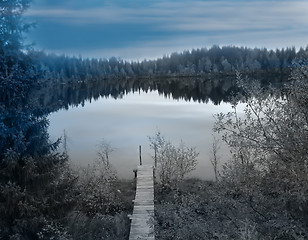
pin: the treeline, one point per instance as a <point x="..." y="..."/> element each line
<point x="196" y="62"/>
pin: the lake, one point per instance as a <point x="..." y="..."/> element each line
<point x="127" y="122"/>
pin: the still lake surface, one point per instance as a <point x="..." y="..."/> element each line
<point x="128" y="122"/>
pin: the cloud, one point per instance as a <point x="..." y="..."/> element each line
<point x="157" y="27"/>
<point x="185" y="15"/>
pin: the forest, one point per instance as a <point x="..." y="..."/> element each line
<point x="260" y="193"/>
<point x="197" y="62"/>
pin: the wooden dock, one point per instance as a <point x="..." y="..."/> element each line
<point x="142" y="223"/>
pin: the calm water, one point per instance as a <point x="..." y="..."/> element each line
<point x="126" y="123"/>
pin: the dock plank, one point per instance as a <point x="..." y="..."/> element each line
<point x="142" y="224"/>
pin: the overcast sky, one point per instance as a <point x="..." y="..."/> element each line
<point x="139" y="29"/>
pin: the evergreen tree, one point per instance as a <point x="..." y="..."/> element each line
<point x="33" y="181"/>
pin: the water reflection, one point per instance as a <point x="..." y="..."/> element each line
<point x="203" y="90"/>
<point x="127" y="111"/>
<point x="127" y="123"/>
<point x="212" y="88"/>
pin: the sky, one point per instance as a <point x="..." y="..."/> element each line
<point x="145" y="29"/>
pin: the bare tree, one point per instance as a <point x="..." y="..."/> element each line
<point x="65" y="141"/>
<point x="104" y="151"/>
<point x="173" y="163"/>
<point x="215" y="159"/>
<point x="186" y="160"/>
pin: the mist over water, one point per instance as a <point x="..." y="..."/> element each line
<point x="127" y="122"/>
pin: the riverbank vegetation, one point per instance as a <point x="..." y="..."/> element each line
<point x="261" y="192"/>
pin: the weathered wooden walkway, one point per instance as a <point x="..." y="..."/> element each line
<point x="142" y="224"/>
